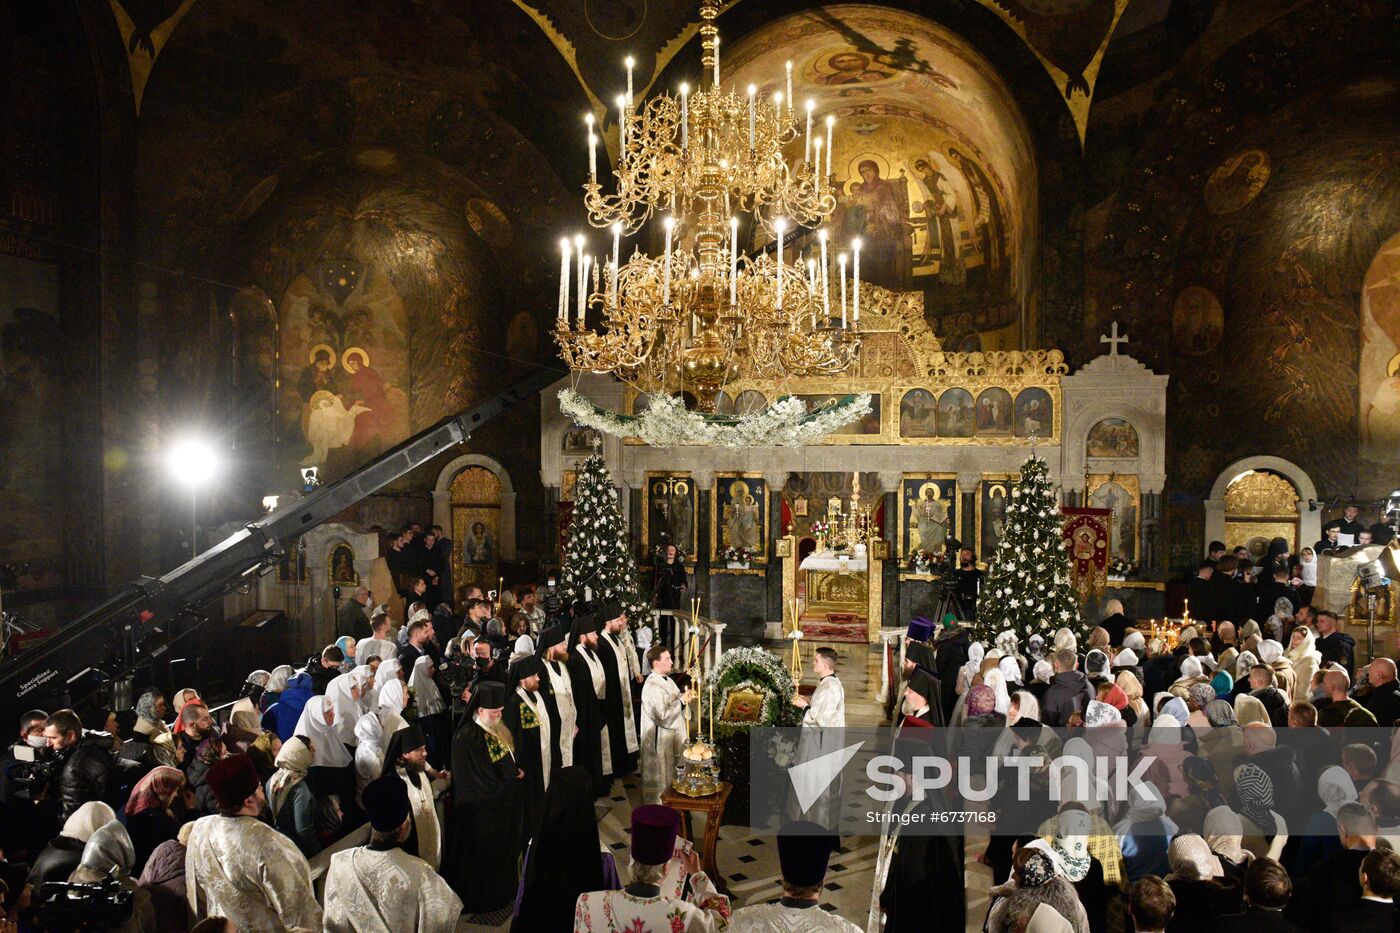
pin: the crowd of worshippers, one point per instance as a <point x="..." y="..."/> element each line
<point x="1229" y="585"/>
<point x="445" y="748"/>
<point x="1274" y="811"/>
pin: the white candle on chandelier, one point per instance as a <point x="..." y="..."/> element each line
<point x="826" y="283"/>
<point x="807" y="138"/>
<point x="670" y="224"/>
<point x="621" y="126"/>
<point x="583" y="265"/>
<point x="841" y="266"/>
<point x="733" y="260"/>
<point x="817" y="161"/>
<point x="716" y="61"/>
<point x="830" y="122"/>
<point x="855" y="280"/>
<point x="564" y="252"/>
<point x="592" y="147"/>
<point x="752" y="91"/>
<point x="630" y="63"/>
<point x="789" y="89"/>
<point x="685" y="115"/>
<point x="780" y="226"/>
<point x="617" y="247"/>
<point x="812" y="289"/>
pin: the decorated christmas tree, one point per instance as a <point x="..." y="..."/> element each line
<point x="597" y="562"/>
<point x="1027" y="589"/>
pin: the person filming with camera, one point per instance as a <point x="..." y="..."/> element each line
<point x="88" y="769"/>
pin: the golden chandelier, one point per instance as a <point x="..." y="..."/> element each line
<point x="701" y="315"/>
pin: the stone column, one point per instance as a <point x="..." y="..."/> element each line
<point x="968" y="484"/>
<point x="773" y="578"/>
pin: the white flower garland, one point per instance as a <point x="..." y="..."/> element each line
<point x="666" y="422"/>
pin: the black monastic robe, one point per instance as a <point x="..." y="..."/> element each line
<point x="588" y="744"/>
<point x="487" y="832"/>
<point x="524" y="727"/>
<point x="615" y="711"/>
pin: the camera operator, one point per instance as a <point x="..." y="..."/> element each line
<point x="31" y="743"/>
<point x="967" y="583"/>
<point x="89" y="771"/>
<point x="553" y="604"/>
<point x="26" y="773"/>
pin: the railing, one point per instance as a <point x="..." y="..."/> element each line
<point x="673" y="628"/>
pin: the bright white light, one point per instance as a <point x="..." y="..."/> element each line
<point x="269" y="503"/>
<point x="193" y="461"/>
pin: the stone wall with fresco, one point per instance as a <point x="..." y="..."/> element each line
<point x="1247" y="245"/>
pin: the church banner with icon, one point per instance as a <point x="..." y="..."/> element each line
<point x="928" y="513"/>
<point x="993" y="494"/>
<point x="1087" y="538"/>
<point x="739" y="518"/>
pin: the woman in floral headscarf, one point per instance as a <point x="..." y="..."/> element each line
<point x="151" y="816"/>
<point x="1038" y="882"/>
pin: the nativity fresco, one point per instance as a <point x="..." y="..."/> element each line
<point x="345" y="370"/>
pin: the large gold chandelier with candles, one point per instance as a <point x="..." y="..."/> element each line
<point x="701" y="315"/>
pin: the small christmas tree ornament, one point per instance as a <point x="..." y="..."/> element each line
<point x="598" y="563"/>
<point x="1027" y="589"/>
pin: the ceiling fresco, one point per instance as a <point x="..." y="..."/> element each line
<point x="931" y="156"/>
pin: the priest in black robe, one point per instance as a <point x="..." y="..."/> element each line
<point x="528" y="721"/>
<point x="621" y="757"/>
<point x="558" y="699"/>
<point x="487" y="834"/>
<point x="588" y="679"/>
<point x="923" y="874"/>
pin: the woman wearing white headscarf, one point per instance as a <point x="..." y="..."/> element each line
<point x="1271" y="654"/>
<point x="1007" y="642"/>
<point x="109" y="854"/>
<point x="56" y="861"/>
<point x="290" y="800"/>
<point x="393" y="697"/>
<point x="388" y="671"/>
<point x="344" y="695"/>
<point x="432" y="718"/>
<point x="317" y="723"/>
<point x="1192" y="673"/>
<point x="369" y="753"/>
<point x="1243" y="663"/>
<point x="994" y="679"/>
<point x="427" y="698"/>
<point x="1334" y="788"/>
<point x="1250" y="709"/>
<point x="1224" y="833"/>
<point x="1064" y="638"/>
<point x="1195" y="880"/>
<point x="1010" y="670"/>
<point x="1144" y="832"/>
<point x="363" y="677"/>
<point x="975" y="653"/>
<point x="1302" y="651"/>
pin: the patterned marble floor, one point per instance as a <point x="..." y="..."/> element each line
<point x="749" y="862"/>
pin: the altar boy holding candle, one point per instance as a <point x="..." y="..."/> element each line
<point x="664" y="709"/>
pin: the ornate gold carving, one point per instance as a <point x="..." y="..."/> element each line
<point x="832" y="589"/>
<point x="1257" y="493"/>
<point x="899" y="352"/>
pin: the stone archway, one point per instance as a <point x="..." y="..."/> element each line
<point x="442" y="498"/>
<point x="1309" y="520"/>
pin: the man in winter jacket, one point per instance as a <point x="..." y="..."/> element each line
<point x="89" y="772"/>
<point x="1069" y="693"/>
